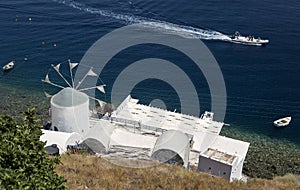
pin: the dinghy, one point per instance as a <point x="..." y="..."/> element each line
<point x="8" y="66"/>
<point x="282" y="122"/>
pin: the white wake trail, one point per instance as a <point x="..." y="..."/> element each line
<point x="184" y="31"/>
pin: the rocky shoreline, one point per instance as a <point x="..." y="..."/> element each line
<point x="267" y="157"/>
<point x="14" y="101"/>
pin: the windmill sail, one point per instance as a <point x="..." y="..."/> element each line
<point x="47" y="80"/>
<point x="72" y="65"/>
<point x="101" y="103"/>
<point x="56" y="67"/>
<point x="47" y="95"/>
<point x="101" y="88"/>
<point x="91" y="73"/>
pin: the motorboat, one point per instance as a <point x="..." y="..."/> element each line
<point x="8" y="66"/>
<point x="248" y="40"/>
<point x="282" y="122"/>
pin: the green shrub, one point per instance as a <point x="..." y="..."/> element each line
<point x="24" y="164"/>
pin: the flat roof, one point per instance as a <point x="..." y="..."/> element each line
<point x="219" y="156"/>
<point x="160" y="118"/>
<point x="231" y="146"/>
<point x="205" y="132"/>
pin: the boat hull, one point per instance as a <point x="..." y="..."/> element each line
<point x="246" y="41"/>
<point x="250" y="43"/>
<point x="8" y="66"/>
<point x="283" y="122"/>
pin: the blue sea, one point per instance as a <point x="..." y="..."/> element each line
<point x="262" y="83"/>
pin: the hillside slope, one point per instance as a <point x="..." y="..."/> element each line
<point x="85" y="172"/>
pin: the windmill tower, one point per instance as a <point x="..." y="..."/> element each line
<point x="70" y="106"/>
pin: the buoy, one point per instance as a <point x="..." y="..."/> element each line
<point x="43" y="43"/>
<point x="30" y="19"/>
<point x="25" y="58"/>
<point x="54" y="45"/>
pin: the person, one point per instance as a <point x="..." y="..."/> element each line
<point x="258" y="39"/>
<point x="237" y="34"/>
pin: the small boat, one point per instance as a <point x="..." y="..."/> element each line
<point x="282" y="122"/>
<point x="8" y="66"/>
<point x="248" y="40"/>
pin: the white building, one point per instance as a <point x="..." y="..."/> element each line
<point x="70" y="111"/>
<point x="61" y="139"/>
<point x="224" y="157"/>
<point x="172" y="147"/>
<point x="188" y="138"/>
<point x="160" y="120"/>
<point x="212" y="153"/>
<point x="98" y="136"/>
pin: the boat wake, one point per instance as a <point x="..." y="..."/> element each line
<point x="181" y="30"/>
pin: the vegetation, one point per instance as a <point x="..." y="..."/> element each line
<point x="289" y="178"/>
<point x="84" y="172"/>
<point x="24" y="164"/>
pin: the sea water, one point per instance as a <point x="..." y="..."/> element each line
<point x="262" y="83"/>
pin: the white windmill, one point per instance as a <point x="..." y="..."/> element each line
<point x="90" y="73"/>
<point x="70" y="106"/>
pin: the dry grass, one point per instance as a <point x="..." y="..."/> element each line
<point x="289" y="179"/>
<point x="84" y="172"/>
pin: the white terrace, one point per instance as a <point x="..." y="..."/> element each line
<point x="203" y="130"/>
